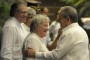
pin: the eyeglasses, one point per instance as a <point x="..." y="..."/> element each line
<point x="22" y="12"/>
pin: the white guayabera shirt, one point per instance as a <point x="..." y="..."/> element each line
<point x="26" y="29"/>
<point x="72" y="45"/>
<point x="12" y="42"/>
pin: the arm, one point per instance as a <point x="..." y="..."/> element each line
<point x="53" y="45"/>
<point x="30" y="43"/>
<point x="7" y="43"/>
<point x="64" y="45"/>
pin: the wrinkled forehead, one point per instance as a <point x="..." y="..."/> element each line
<point x="42" y="24"/>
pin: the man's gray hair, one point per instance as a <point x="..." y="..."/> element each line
<point x="69" y="11"/>
<point x="37" y="20"/>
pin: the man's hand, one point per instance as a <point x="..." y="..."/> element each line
<point x="59" y="33"/>
<point x="30" y="52"/>
<point x="54" y="44"/>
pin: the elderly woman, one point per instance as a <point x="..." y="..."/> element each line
<point x="38" y="29"/>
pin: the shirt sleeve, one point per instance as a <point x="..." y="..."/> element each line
<point x="9" y="35"/>
<point x="32" y="43"/>
<point x="64" y="45"/>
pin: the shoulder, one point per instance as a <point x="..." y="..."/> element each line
<point x="32" y="38"/>
<point x="10" y="22"/>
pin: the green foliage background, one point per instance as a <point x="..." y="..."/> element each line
<point x="4" y="11"/>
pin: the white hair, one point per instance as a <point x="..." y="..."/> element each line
<point x="37" y="20"/>
<point x="31" y="11"/>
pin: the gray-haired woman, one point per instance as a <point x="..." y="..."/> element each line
<point x="38" y="29"/>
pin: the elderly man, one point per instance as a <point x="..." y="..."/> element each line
<point x="13" y="34"/>
<point x="73" y="42"/>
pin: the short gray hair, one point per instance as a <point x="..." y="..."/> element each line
<point x="36" y="21"/>
<point x="31" y="11"/>
<point x="71" y="12"/>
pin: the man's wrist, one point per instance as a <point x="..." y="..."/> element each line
<point x="39" y="54"/>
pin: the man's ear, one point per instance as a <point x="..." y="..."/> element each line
<point x="68" y="20"/>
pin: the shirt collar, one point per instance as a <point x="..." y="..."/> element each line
<point x="36" y="35"/>
<point x="25" y="26"/>
<point x="70" y="26"/>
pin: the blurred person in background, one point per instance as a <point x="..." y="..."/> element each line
<point x="54" y="26"/>
<point x="26" y="24"/>
<point x="44" y="11"/>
